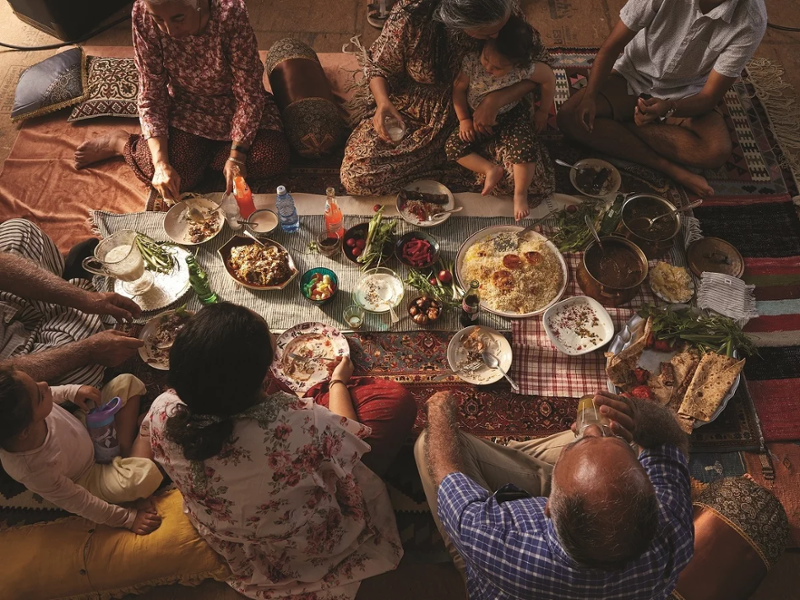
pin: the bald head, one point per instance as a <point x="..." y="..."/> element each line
<point x="602" y="503"/>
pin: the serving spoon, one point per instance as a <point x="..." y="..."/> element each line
<point x="590" y="225"/>
<point x="651" y="220"/>
<point x="444" y="212"/>
<point x="493" y="363"/>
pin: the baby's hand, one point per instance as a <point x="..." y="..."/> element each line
<point x="466" y="130"/>
<point x="540" y="120"/>
<point x="85" y="394"/>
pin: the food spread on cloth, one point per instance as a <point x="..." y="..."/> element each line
<point x="670" y="283"/>
<point x="306" y="355"/>
<point x="260" y="265"/>
<point x="159" y="335"/>
<point x="515" y="280"/>
<point x="697" y="368"/>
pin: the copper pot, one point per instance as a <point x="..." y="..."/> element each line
<point x="651" y="205"/>
<point x="589" y="279"/>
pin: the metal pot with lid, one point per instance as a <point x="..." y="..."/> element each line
<point x="655" y="240"/>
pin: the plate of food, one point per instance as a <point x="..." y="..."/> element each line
<point x="681" y="357"/>
<point x="158" y="335"/>
<point x="306" y="353"/>
<point x="595" y="178"/>
<point x="521" y="273"/>
<point x="264" y="266"/>
<point x="465" y="349"/>
<point x="670" y="283"/>
<point x="419" y="203"/>
<point x="204" y="224"/>
<point x="578" y="325"/>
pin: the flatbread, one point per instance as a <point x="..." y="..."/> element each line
<point x="712" y="379"/>
<point x="686" y="423"/>
<point x="684" y="363"/>
<point x="620" y="366"/>
<point x="661" y="391"/>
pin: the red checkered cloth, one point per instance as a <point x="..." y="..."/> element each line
<point x="541" y="370"/>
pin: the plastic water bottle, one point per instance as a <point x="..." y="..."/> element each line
<point x="287" y="212"/>
<point x="100" y="423"/>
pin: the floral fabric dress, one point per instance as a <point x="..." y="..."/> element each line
<point x="287" y="503"/>
<point x="403" y="54"/>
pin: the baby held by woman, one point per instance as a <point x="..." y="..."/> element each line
<point x="502" y="62"/>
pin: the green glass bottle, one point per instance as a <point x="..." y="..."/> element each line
<point x="198" y="279"/>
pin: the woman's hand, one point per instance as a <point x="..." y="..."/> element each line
<point x="540" y="120"/>
<point x="343" y="370"/>
<point x="167" y="182"/>
<point x="386" y="109"/>
<point x="466" y="131"/>
<point x="485" y="116"/>
<point x="85" y="394"/>
<point x="232" y="170"/>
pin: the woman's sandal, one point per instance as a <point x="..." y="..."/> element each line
<point x="374" y="16"/>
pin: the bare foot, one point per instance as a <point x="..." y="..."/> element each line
<point x="100" y="148"/>
<point x="493" y="177"/>
<point x="521" y="209"/>
<point x="696" y="184"/>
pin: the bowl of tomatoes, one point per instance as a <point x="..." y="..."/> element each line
<point x="417" y="250"/>
<point x="319" y="285"/>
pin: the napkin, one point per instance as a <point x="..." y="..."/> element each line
<point x="727" y="295"/>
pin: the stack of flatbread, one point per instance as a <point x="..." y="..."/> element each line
<point x="691" y="386"/>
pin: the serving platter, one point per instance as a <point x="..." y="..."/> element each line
<point x="652" y="359"/>
<point x="511" y="229"/>
<point x="225" y="254"/>
<point x="314" y="370"/>
<point x="167" y="287"/>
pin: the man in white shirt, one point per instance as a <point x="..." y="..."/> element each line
<point x="655" y="104"/>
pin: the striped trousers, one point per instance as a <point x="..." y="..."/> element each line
<point x="28" y="326"/>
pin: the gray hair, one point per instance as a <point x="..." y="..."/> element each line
<point x="190" y="3"/>
<point x="473" y="14"/>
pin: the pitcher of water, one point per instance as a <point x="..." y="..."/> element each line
<point x="117" y="256"/>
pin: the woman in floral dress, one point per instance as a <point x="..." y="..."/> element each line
<point x="202" y="101"/>
<point x="412" y="66"/>
<point x="280" y="486"/>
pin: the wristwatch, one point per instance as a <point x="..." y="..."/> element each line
<point x="673" y="107"/>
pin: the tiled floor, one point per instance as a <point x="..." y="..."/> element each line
<point x="328" y="24"/>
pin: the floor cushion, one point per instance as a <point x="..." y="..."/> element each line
<point x="112" y="89"/>
<point x="75" y="558"/>
<point x="53" y="84"/>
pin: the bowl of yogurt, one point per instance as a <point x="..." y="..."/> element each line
<point x="264" y="223"/>
<point x="379" y="291"/>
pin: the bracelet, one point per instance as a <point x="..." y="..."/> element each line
<point x="673" y="108"/>
<point x="236" y="161"/>
<point x="330" y="385"/>
<point x="239" y="148"/>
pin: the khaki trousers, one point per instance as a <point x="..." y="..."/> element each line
<point x="528" y="465"/>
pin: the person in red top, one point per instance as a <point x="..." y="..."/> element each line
<point x="202" y="100"/>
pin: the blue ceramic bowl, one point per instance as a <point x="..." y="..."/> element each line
<point x="322" y="271"/>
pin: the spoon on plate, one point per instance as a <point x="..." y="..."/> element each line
<point x="563" y="163"/>
<point x="493" y="363"/>
<point x="437" y="216"/>
<point x="651" y="220"/>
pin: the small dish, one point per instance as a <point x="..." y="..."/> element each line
<point x="578" y="325"/>
<point x="356" y="233"/>
<point x="427" y="307"/>
<point x="306" y="279"/>
<point x="410" y="237"/>
<point x="379" y="291"/>
<point x="659" y="293"/>
<point x="182" y="230"/>
<point x="225" y="255"/>
<point x="475" y="371"/>
<point x="266" y="223"/>
<point x="427" y="186"/>
<point x="612" y="184"/>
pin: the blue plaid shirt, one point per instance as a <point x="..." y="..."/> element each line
<point x="511" y="549"/>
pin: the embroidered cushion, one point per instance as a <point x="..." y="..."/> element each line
<point x="112" y="88"/>
<point x="53" y="84"/>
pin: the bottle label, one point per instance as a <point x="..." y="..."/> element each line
<point x="471" y="310"/>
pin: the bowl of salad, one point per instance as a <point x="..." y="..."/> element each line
<point x="319" y="285"/>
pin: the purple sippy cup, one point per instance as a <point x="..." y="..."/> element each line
<point x="100" y="423"/>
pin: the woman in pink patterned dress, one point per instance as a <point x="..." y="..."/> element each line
<point x="201" y="99"/>
<point x="282" y="487"/>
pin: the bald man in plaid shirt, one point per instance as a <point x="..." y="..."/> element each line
<point x="616" y="525"/>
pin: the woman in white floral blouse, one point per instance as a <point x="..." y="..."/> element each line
<point x="275" y="483"/>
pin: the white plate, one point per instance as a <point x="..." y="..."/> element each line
<point x="148" y="331"/>
<point x="482" y="375"/>
<point x="167" y="287"/>
<point x="427" y="186"/>
<point x="615" y="177"/>
<point x="290" y="341"/>
<point x="493" y="230"/>
<point x="651" y="359"/>
<point x="564" y="337"/>
<point x="176" y="222"/>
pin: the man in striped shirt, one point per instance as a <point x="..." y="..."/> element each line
<point x="50" y="328"/>
<point x="616" y="526"/>
<point x="656" y="104"/>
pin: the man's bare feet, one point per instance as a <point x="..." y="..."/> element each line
<point x="521" y="209"/>
<point x="697" y="184"/>
<point x="493" y="177"/>
<point x="100" y="148"/>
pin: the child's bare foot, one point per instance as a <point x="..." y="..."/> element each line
<point x="100" y="148"/>
<point x="521" y="209"/>
<point x="493" y="177"/>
